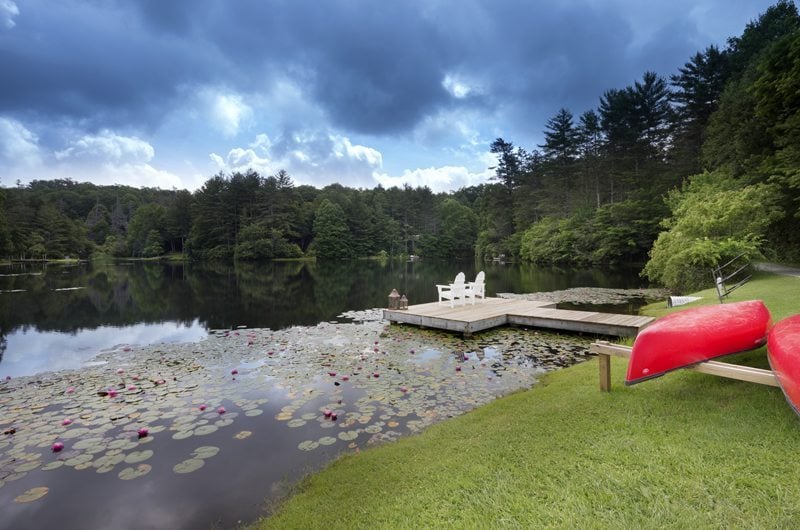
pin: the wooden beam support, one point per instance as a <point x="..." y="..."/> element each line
<point x="605" y="372"/>
<point x="605" y="350"/>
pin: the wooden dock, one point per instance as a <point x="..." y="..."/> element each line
<point x="494" y="312"/>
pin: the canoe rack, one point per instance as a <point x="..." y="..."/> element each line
<point x="605" y="350"/>
<point x="726" y="281"/>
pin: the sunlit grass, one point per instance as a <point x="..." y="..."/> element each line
<point x="686" y="450"/>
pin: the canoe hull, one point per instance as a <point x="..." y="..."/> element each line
<point x="783" y="351"/>
<point x="696" y="335"/>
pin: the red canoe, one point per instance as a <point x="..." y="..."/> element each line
<point x="695" y="335"/>
<point x="783" y="351"/>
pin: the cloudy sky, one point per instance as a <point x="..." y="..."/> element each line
<point x="167" y="93"/>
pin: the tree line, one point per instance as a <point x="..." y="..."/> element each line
<point x="681" y="173"/>
<point x="676" y="173"/>
<point x="243" y="216"/>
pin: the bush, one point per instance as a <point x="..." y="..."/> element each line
<point x="713" y="220"/>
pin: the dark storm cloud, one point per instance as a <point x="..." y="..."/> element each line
<point x="373" y="67"/>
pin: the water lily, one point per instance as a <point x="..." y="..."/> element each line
<point x="221" y="410"/>
<point x="202" y="407"/>
<point x="332" y="374"/>
<point x="66" y="421"/>
<point x="458" y="368"/>
<point x="70" y="389"/>
<point x="376" y="374"/>
<point x="234" y="371"/>
<point x="345" y="378"/>
<point x="112" y="393"/>
<point x="334" y="416"/>
<point x="143" y="432"/>
<point x="327" y="413"/>
<point x="57" y="447"/>
<point x="132" y="388"/>
<point x="403" y="389"/>
<point x="120" y="371"/>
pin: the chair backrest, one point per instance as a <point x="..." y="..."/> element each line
<point x="460" y="278"/>
<point x="480" y="277"/>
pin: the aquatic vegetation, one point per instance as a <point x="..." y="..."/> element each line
<point x="331" y="387"/>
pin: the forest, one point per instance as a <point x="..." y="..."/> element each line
<point x="676" y="173"/>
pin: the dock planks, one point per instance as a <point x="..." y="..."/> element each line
<point x="494" y="312"/>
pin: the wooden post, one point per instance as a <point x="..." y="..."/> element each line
<point x="605" y="372"/>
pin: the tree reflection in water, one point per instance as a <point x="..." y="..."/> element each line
<point x="74" y="299"/>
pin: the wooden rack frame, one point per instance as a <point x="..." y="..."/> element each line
<point x="605" y="350"/>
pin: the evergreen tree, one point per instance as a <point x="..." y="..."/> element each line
<point x="331" y="236"/>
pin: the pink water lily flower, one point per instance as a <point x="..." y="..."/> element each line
<point x="66" y="421"/>
<point x="221" y="410"/>
<point x="143" y="432"/>
<point x="57" y="447"/>
<point x="202" y="407"/>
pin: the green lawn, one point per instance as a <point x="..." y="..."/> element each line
<point x="686" y="450"/>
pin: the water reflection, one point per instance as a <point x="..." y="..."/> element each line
<point x="31" y="352"/>
<point x="52" y="312"/>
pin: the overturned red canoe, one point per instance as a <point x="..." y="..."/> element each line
<point x="695" y="335"/>
<point x="783" y="351"/>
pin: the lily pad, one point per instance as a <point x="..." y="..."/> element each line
<point x="27" y="466"/>
<point x="181" y="435"/>
<point x="206" y="451"/>
<point x="138" y="456"/>
<point x="33" y="494"/>
<point x="254" y="412"/>
<point x="348" y="435"/>
<point x="188" y="466"/>
<point x="327" y="440"/>
<point x="242" y="435"/>
<point x="205" y="429"/>
<point x="130" y="473"/>
<point x="296" y="423"/>
<point x="308" y="445"/>
<point x="55" y="464"/>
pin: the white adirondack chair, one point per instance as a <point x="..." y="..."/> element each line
<point x="477" y="288"/>
<point x="453" y="291"/>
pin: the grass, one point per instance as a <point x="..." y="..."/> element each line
<point x="682" y="451"/>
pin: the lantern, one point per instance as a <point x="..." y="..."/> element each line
<point x="394" y="299"/>
<point x="403" y="302"/>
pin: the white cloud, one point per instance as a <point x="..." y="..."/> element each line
<point x="310" y="157"/>
<point x="228" y="112"/>
<point x="18" y="145"/>
<point x="438" y="179"/>
<point x="218" y="160"/>
<point x="137" y="175"/>
<point x="452" y="129"/>
<point x="104" y="158"/>
<point x="457" y="88"/>
<point x="8" y="10"/>
<point x="108" y="147"/>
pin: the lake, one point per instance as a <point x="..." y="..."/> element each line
<point x="60" y="316"/>
<point x="151" y="405"/>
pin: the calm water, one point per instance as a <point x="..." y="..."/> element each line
<point x="59" y="317"/>
<point x="275" y="386"/>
